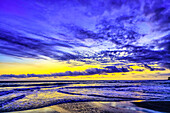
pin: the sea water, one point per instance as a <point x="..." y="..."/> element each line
<point x="23" y="95"/>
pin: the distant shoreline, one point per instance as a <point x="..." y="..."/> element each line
<point x="1" y="81"/>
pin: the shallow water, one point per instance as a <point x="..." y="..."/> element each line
<point x="29" y="95"/>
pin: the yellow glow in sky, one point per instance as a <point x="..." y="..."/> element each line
<point x="53" y="66"/>
<point x="43" y="67"/>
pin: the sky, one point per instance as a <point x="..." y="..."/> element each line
<point x="84" y="39"/>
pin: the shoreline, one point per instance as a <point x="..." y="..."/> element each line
<point x="20" y="81"/>
<point x="102" y="107"/>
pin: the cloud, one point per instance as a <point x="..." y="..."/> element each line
<point x="102" y="31"/>
<point x="92" y="71"/>
<point x="153" y="69"/>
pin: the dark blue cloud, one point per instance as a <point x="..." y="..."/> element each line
<point x="88" y="31"/>
<point x="152" y="69"/>
<point x="92" y="71"/>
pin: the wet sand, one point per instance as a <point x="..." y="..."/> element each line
<point x="162" y="106"/>
<point x="79" y="107"/>
<point x="104" y="107"/>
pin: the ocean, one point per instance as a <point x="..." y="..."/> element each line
<point x="24" y="95"/>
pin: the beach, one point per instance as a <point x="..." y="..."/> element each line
<point x="85" y="97"/>
<point x="79" y="107"/>
<point x="104" y="107"/>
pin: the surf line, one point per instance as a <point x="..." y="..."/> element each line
<point x="95" y="95"/>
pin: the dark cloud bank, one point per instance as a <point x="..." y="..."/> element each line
<point x="103" y="31"/>
<point x="92" y="71"/>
